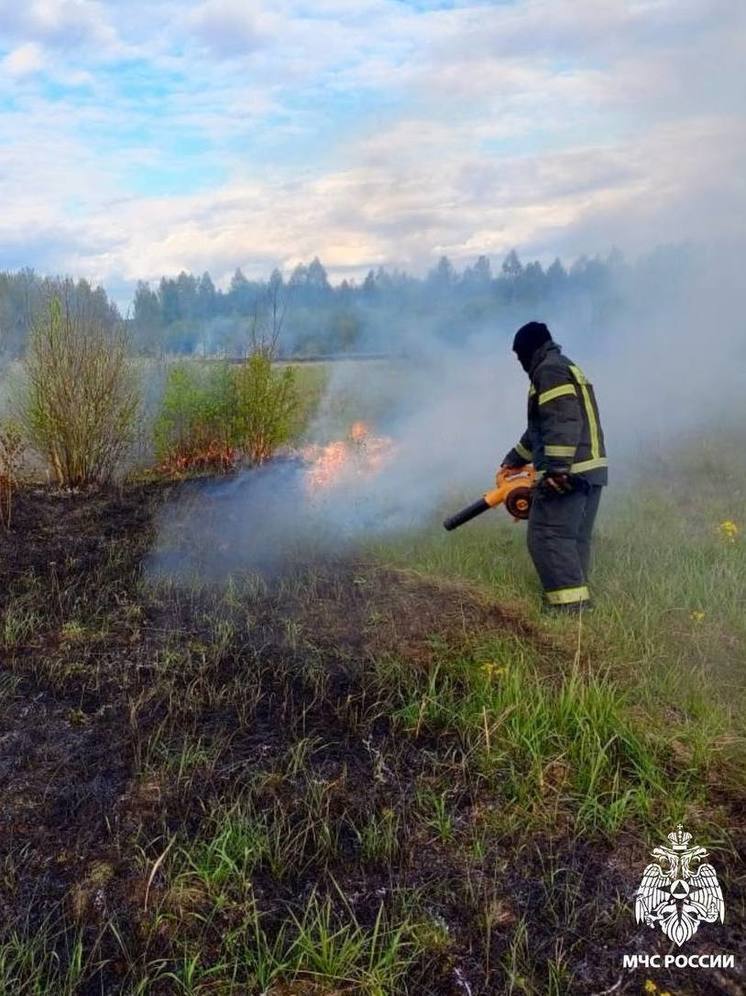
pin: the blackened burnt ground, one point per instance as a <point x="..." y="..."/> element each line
<point x="187" y="770"/>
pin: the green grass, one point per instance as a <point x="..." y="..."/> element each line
<point x="43" y="961"/>
<point x="563" y="746"/>
<point x="310" y="381"/>
<point x="648" y="712"/>
<point x="669" y="626"/>
<point x="312" y="944"/>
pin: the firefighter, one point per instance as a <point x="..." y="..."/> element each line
<point x="565" y="442"/>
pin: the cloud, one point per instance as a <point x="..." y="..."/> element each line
<point x="211" y="134"/>
<point x="229" y="27"/>
<point x="22" y="61"/>
<point x="57" y="23"/>
<point x="386" y="212"/>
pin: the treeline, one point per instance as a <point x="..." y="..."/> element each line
<point x="308" y="315"/>
<point x="24" y="295"/>
<point x="304" y="314"/>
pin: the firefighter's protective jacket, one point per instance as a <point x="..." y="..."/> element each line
<point x="564" y="433"/>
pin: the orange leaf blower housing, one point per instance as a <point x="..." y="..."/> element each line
<point x="514" y="486"/>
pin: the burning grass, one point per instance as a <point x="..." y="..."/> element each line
<point x="350" y="778"/>
<point x="360" y="454"/>
<point x="310" y="505"/>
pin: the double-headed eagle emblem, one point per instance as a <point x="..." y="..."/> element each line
<point x="675" y="895"/>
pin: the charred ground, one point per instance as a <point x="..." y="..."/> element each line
<point x="332" y="782"/>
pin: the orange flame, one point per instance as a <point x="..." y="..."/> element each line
<point x="359" y="432"/>
<point x="359" y="454"/>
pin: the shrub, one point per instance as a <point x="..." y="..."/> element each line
<point x="210" y="416"/>
<point x="193" y="427"/>
<point x="266" y="401"/>
<point x="81" y="398"/>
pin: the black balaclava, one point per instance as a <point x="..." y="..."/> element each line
<point x="527" y="340"/>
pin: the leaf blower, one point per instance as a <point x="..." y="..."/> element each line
<point x="514" y="486"/>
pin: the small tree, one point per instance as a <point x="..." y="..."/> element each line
<point x="193" y="428"/>
<point x="81" y="397"/>
<point x="266" y="401"/>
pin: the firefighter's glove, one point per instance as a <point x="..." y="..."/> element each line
<point x="558" y="483"/>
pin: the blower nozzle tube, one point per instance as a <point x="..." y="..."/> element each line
<point x="470" y="512"/>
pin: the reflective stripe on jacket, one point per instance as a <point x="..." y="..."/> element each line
<point x="564" y="434"/>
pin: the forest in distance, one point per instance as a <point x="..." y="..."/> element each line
<point x="307" y="314"/>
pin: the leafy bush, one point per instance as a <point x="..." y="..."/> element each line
<point x="81" y="398"/>
<point x="266" y="401"/>
<point x="193" y="426"/>
<point x="210" y="416"/>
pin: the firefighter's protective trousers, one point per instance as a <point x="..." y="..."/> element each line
<point x="563" y="437"/>
<point x="559" y="540"/>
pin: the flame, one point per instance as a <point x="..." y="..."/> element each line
<point x="360" y="454"/>
<point x="359" y="432"/>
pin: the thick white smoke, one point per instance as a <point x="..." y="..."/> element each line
<point x="670" y="361"/>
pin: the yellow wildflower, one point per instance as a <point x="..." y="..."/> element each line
<point x="729" y="530"/>
<point x="492" y="670"/>
<point x="650" y="986"/>
<point x="697" y="616"/>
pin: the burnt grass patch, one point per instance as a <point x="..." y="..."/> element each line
<point x="257" y="787"/>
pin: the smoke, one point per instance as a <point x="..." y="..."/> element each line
<point x="667" y="360"/>
<point x="260" y="522"/>
<point x="671" y="365"/>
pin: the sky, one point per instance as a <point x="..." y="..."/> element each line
<point x="142" y="138"/>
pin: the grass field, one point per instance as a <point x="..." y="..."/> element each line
<point x="378" y="774"/>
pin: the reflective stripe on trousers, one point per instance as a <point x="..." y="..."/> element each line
<point x="568" y="596"/>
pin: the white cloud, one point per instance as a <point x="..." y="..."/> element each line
<point x="23" y="61"/>
<point x="366" y="131"/>
<point x="57" y="23"/>
<point x="387" y="212"/>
